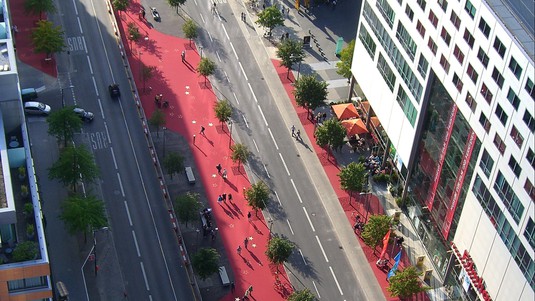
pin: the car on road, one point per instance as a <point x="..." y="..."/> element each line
<point x="83" y="114"/>
<point x="36" y="108"/>
<point x="114" y="90"/>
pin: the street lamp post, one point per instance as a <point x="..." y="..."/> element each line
<point x="270" y="221"/>
<point x="62" y="95"/>
<point x="367" y="194"/>
<point x="200" y="47"/>
<point x="95" y="247"/>
<point x="230" y="133"/>
<point x="164" y="130"/>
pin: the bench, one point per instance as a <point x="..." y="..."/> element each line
<point x="339" y="46"/>
<point x="189" y="174"/>
<point x="224" y="276"/>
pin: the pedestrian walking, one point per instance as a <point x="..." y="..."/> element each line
<point x="193" y="138"/>
<point x="324" y="116"/>
<point x="212" y="233"/>
<point x="219" y="199"/>
<point x="293" y="130"/>
<point x="230" y="197"/>
<point x="224" y="173"/>
<point x="298" y="136"/>
<point x="224" y="195"/>
<point x="250" y="290"/>
<point x="249" y="216"/>
<point x="287" y="35"/>
<point x="202" y="131"/>
<point x="218" y="167"/>
<point x="288" y="11"/>
<point x="246" y="242"/>
<point x="239" y="250"/>
<point x="282" y="11"/>
<point x="183" y="55"/>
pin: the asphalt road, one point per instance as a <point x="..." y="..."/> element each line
<point x="145" y="242"/>
<point x="319" y="264"/>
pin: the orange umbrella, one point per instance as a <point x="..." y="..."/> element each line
<point x="345" y="111"/>
<point x="354" y="127"/>
<point x="375" y="121"/>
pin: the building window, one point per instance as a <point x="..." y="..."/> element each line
<point x="528" y="120"/>
<point x="530" y="88"/>
<point x="529" y="233"/>
<point x="486" y="163"/>
<point x="409" y="12"/>
<point x="421" y="4"/>
<point x="513" y="98"/>
<point x="486" y="93"/>
<point x="457" y="82"/>
<point x="509" y="198"/>
<point x="459" y="55"/>
<point x="515" y="167"/>
<point x="471" y="102"/>
<point x="444" y="63"/>
<point x="443" y="4"/>
<point x="500" y="48"/>
<point x="472" y="73"/>
<point x="517" y="137"/>
<point x="498" y="77"/>
<point x="433" y="18"/>
<point x="407" y="106"/>
<point x="484" y="121"/>
<point x="367" y="41"/>
<point x="386" y="10"/>
<point x="445" y="36"/>
<point x="498" y="142"/>
<point x="423" y="65"/>
<point x="500" y="113"/>
<point x="484" y="27"/>
<point x="406" y="41"/>
<point x="470" y="9"/>
<point x="27" y="283"/>
<point x="420" y="28"/>
<point x="530" y="156"/>
<point x="515" y="68"/>
<point x="386" y="72"/>
<point x="431" y="44"/>
<point x="483" y="57"/>
<point x="469" y="38"/>
<point x="455" y="20"/>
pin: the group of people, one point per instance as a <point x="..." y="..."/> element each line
<point x="207" y="227"/>
<point x="373" y="164"/>
<point x="158" y="100"/>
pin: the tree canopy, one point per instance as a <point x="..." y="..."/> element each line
<point x="189" y="28"/>
<point x="309" y="92"/>
<point x="405" y="283"/>
<point x="121" y="5"/>
<point x="376" y="229"/>
<point x="157" y="119"/>
<point x="173" y="163"/>
<point x="330" y="134"/>
<point x="290" y="52"/>
<point x="25" y="251"/>
<point x="38" y="7"/>
<point x="176" y="3"/>
<point x="83" y="214"/>
<point x="187" y="207"/>
<point x="257" y="195"/>
<point x="72" y="163"/>
<point x="279" y="250"/>
<point x="47" y="38"/>
<point x="223" y="110"/>
<point x="63" y="123"/>
<point x="206" y="67"/>
<point x="240" y="153"/>
<point x="302" y="295"/>
<point x="206" y="262"/>
<point x="353" y="177"/>
<point x="346" y="58"/>
<point x="270" y="17"/>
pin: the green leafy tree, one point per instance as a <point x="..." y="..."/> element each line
<point x="38" y="7"/>
<point x="73" y="164"/>
<point x="176" y="4"/>
<point x="302" y="295"/>
<point x="270" y="17"/>
<point x="309" y="92"/>
<point x="147" y="73"/>
<point x="240" y="153"/>
<point x="406" y="283"/>
<point x="173" y="163"/>
<point x="353" y="178"/>
<point x="25" y="251"/>
<point x="121" y="5"/>
<point x="290" y="52"/>
<point x="376" y="229"/>
<point x="279" y="250"/>
<point x="257" y="195"/>
<point x="157" y="119"/>
<point x="223" y="110"/>
<point x="47" y="38"/>
<point x="206" y="67"/>
<point x="206" y="262"/>
<point x="346" y="58"/>
<point x="187" y="206"/>
<point x="190" y="29"/>
<point x="330" y="134"/>
<point x="83" y="214"/>
<point x="133" y="31"/>
<point x="63" y="123"/>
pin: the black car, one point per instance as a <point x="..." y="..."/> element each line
<point x="83" y="114"/>
<point x="114" y="90"/>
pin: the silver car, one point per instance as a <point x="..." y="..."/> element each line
<point x="83" y="114"/>
<point x="36" y="108"/>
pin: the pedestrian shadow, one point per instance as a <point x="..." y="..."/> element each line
<point x="237" y="209"/>
<point x="247" y="263"/>
<point x="230" y="184"/>
<point x="302" y="142"/>
<point x="255" y="257"/>
<point x="201" y="150"/>
<point x="227" y="212"/>
<point x="189" y="66"/>
<point x="230" y="209"/>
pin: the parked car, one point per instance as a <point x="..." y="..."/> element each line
<point x="28" y="94"/>
<point x="36" y="108"/>
<point x="114" y="90"/>
<point x="83" y="114"/>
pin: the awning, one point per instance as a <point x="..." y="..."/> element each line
<point x="345" y="111"/>
<point x="354" y="127"/>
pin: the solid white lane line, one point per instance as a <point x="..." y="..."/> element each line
<point x="303" y="257"/>
<point x="290" y="226"/>
<point x="309" y="221"/>
<point x="252" y="92"/>
<point x="101" y="109"/>
<point x="202" y="19"/>
<point x="95" y="86"/>
<point x="113" y="157"/>
<point x="243" y="71"/>
<point x="297" y="192"/>
<point x="235" y="97"/>
<point x="85" y="45"/>
<point x="225" y="30"/>
<point x="256" y="146"/>
<point x="120" y="184"/>
<point x="90" y="67"/>
<point x="278" y="199"/>
<point x="316" y="288"/>
<point x="336" y="280"/>
<point x="234" y="50"/>
<point x="144" y="275"/>
<point x="322" y="250"/>
<point x="107" y="131"/>
<point x="128" y="213"/>
<point x="80" y="26"/>
<point x="75" y="8"/>
<point x="284" y="163"/>
<point x="262" y="113"/>
<point x="135" y="242"/>
<point x="267" y="172"/>
<point x="274" y="142"/>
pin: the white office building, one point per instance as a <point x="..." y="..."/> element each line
<point x="452" y="84"/>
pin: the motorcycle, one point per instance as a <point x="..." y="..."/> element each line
<point x="155" y="14"/>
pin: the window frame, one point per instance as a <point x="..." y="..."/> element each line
<point x="499" y="47"/>
<point x="497" y="77"/>
<point x="472" y="73"/>
<point x="484" y="27"/>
